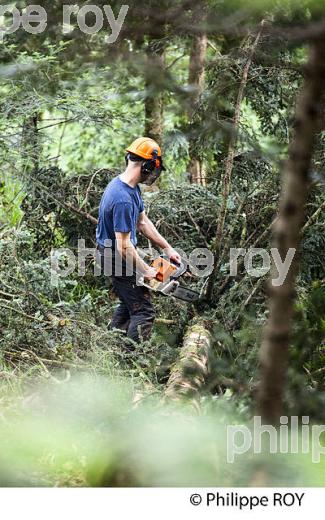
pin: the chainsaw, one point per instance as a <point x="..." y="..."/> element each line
<point x="166" y="281"/>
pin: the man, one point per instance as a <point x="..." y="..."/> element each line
<point x="121" y="215"/>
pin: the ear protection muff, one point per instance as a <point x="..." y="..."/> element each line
<point x="150" y="165"/>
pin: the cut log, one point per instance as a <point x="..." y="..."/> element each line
<point x="189" y="376"/>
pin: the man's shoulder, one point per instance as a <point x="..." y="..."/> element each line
<point x="114" y="184"/>
<point x="117" y="192"/>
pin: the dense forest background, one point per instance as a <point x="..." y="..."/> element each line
<point x="233" y="91"/>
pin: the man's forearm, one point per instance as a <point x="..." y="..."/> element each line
<point x="149" y="230"/>
<point x="131" y="256"/>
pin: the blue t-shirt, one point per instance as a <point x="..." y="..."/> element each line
<point x="119" y="211"/>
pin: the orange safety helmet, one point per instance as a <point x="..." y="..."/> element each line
<point x="150" y="151"/>
<point x="145" y="147"/>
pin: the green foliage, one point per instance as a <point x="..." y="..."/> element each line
<point x="87" y="432"/>
<point x="310" y="331"/>
<point x="11" y="196"/>
<point x="69" y="107"/>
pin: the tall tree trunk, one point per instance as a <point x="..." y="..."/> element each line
<point x="31" y="143"/>
<point x="287" y="233"/>
<point x="229" y="164"/>
<point x="154" y="103"/>
<point x="196" y="84"/>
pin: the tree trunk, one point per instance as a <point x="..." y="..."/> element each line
<point x="154" y="105"/>
<point x="189" y="375"/>
<point x="196" y="84"/>
<point x="287" y="232"/>
<point x="226" y="180"/>
<point x="31" y="144"/>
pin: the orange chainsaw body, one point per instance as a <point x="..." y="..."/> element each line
<point x="166" y="281"/>
<point x="164" y="269"/>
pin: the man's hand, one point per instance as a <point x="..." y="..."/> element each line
<point x="173" y="255"/>
<point x="150" y="273"/>
<point x="131" y="256"/>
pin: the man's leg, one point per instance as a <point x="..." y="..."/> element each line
<point x="121" y="317"/>
<point x="142" y="315"/>
<point x="138" y="302"/>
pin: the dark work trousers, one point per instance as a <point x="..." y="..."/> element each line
<point x="135" y="313"/>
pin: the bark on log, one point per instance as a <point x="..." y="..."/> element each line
<point x="287" y="234"/>
<point x="191" y="372"/>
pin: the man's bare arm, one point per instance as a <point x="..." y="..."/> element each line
<point x="131" y="256"/>
<point x="149" y="230"/>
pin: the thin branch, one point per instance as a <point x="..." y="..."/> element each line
<point x="226" y="182"/>
<point x="28" y="316"/>
<point x="313" y="217"/>
<point x="174" y="62"/>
